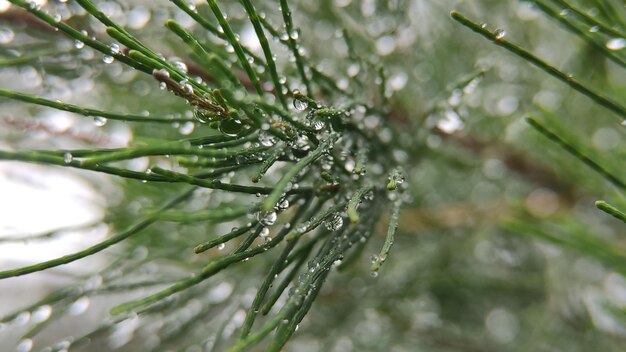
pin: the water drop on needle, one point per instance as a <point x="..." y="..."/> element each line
<point x="334" y="223"/>
<point x="267" y="218"/>
<point x="99" y="121"/>
<point x="616" y="44"/>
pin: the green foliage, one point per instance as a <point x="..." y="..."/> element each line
<point x="268" y="165"/>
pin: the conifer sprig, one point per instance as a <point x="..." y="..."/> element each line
<point x="238" y="124"/>
<point x="497" y="37"/>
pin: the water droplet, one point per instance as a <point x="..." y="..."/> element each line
<point x="24" y="346"/>
<point x="317" y="124"/>
<point x="594" y="29"/>
<point x="230" y="127"/>
<point x="353" y="69"/>
<point x="186" y="86"/>
<point x="115" y="48"/>
<point x="267" y="218"/>
<point x="186" y="128"/>
<point x="6" y="35"/>
<point x="108" y="59"/>
<point x="385" y="45"/>
<point x="334" y="223"/>
<point x="616" y="44"/>
<point x="283" y="204"/>
<point x="266" y="139"/>
<point x="63" y="346"/>
<point x="264" y="232"/>
<point x="451" y="122"/>
<point x="499" y="33"/>
<point x="302" y="143"/>
<point x="99" y="121"/>
<point x="21" y="319"/>
<point x="374" y="274"/>
<point x="79" y="306"/>
<point x="181" y="66"/>
<point x="42" y="313"/>
<point x="221" y="246"/>
<point x="78" y="44"/>
<point x="397" y="177"/>
<point x="300" y="104"/>
<point x="67" y="158"/>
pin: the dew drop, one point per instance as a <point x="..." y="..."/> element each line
<point x="353" y="69"/>
<point x="21" y="319"/>
<point x="99" y="121"/>
<point x="78" y="44"/>
<point x="63" y="346"/>
<point x="24" y="346"/>
<point x="266" y="139"/>
<point x="230" y="127"/>
<point x="267" y="218"/>
<point x="334" y="223"/>
<point x="221" y="246"/>
<point x="115" y="49"/>
<point x="499" y="33"/>
<point x="186" y="86"/>
<point x="317" y="124"/>
<point x="264" y="232"/>
<point x="181" y="66"/>
<point x="108" y="59"/>
<point x="300" y="104"/>
<point x="79" y="306"/>
<point x="616" y="44"/>
<point x="186" y="128"/>
<point x="385" y="45"/>
<point x="6" y="35"/>
<point x="451" y="122"/>
<point x="42" y="313"/>
<point x="283" y="204"/>
<point x="67" y="158"/>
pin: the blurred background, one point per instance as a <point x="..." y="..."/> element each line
<point x="459" y="278"/>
